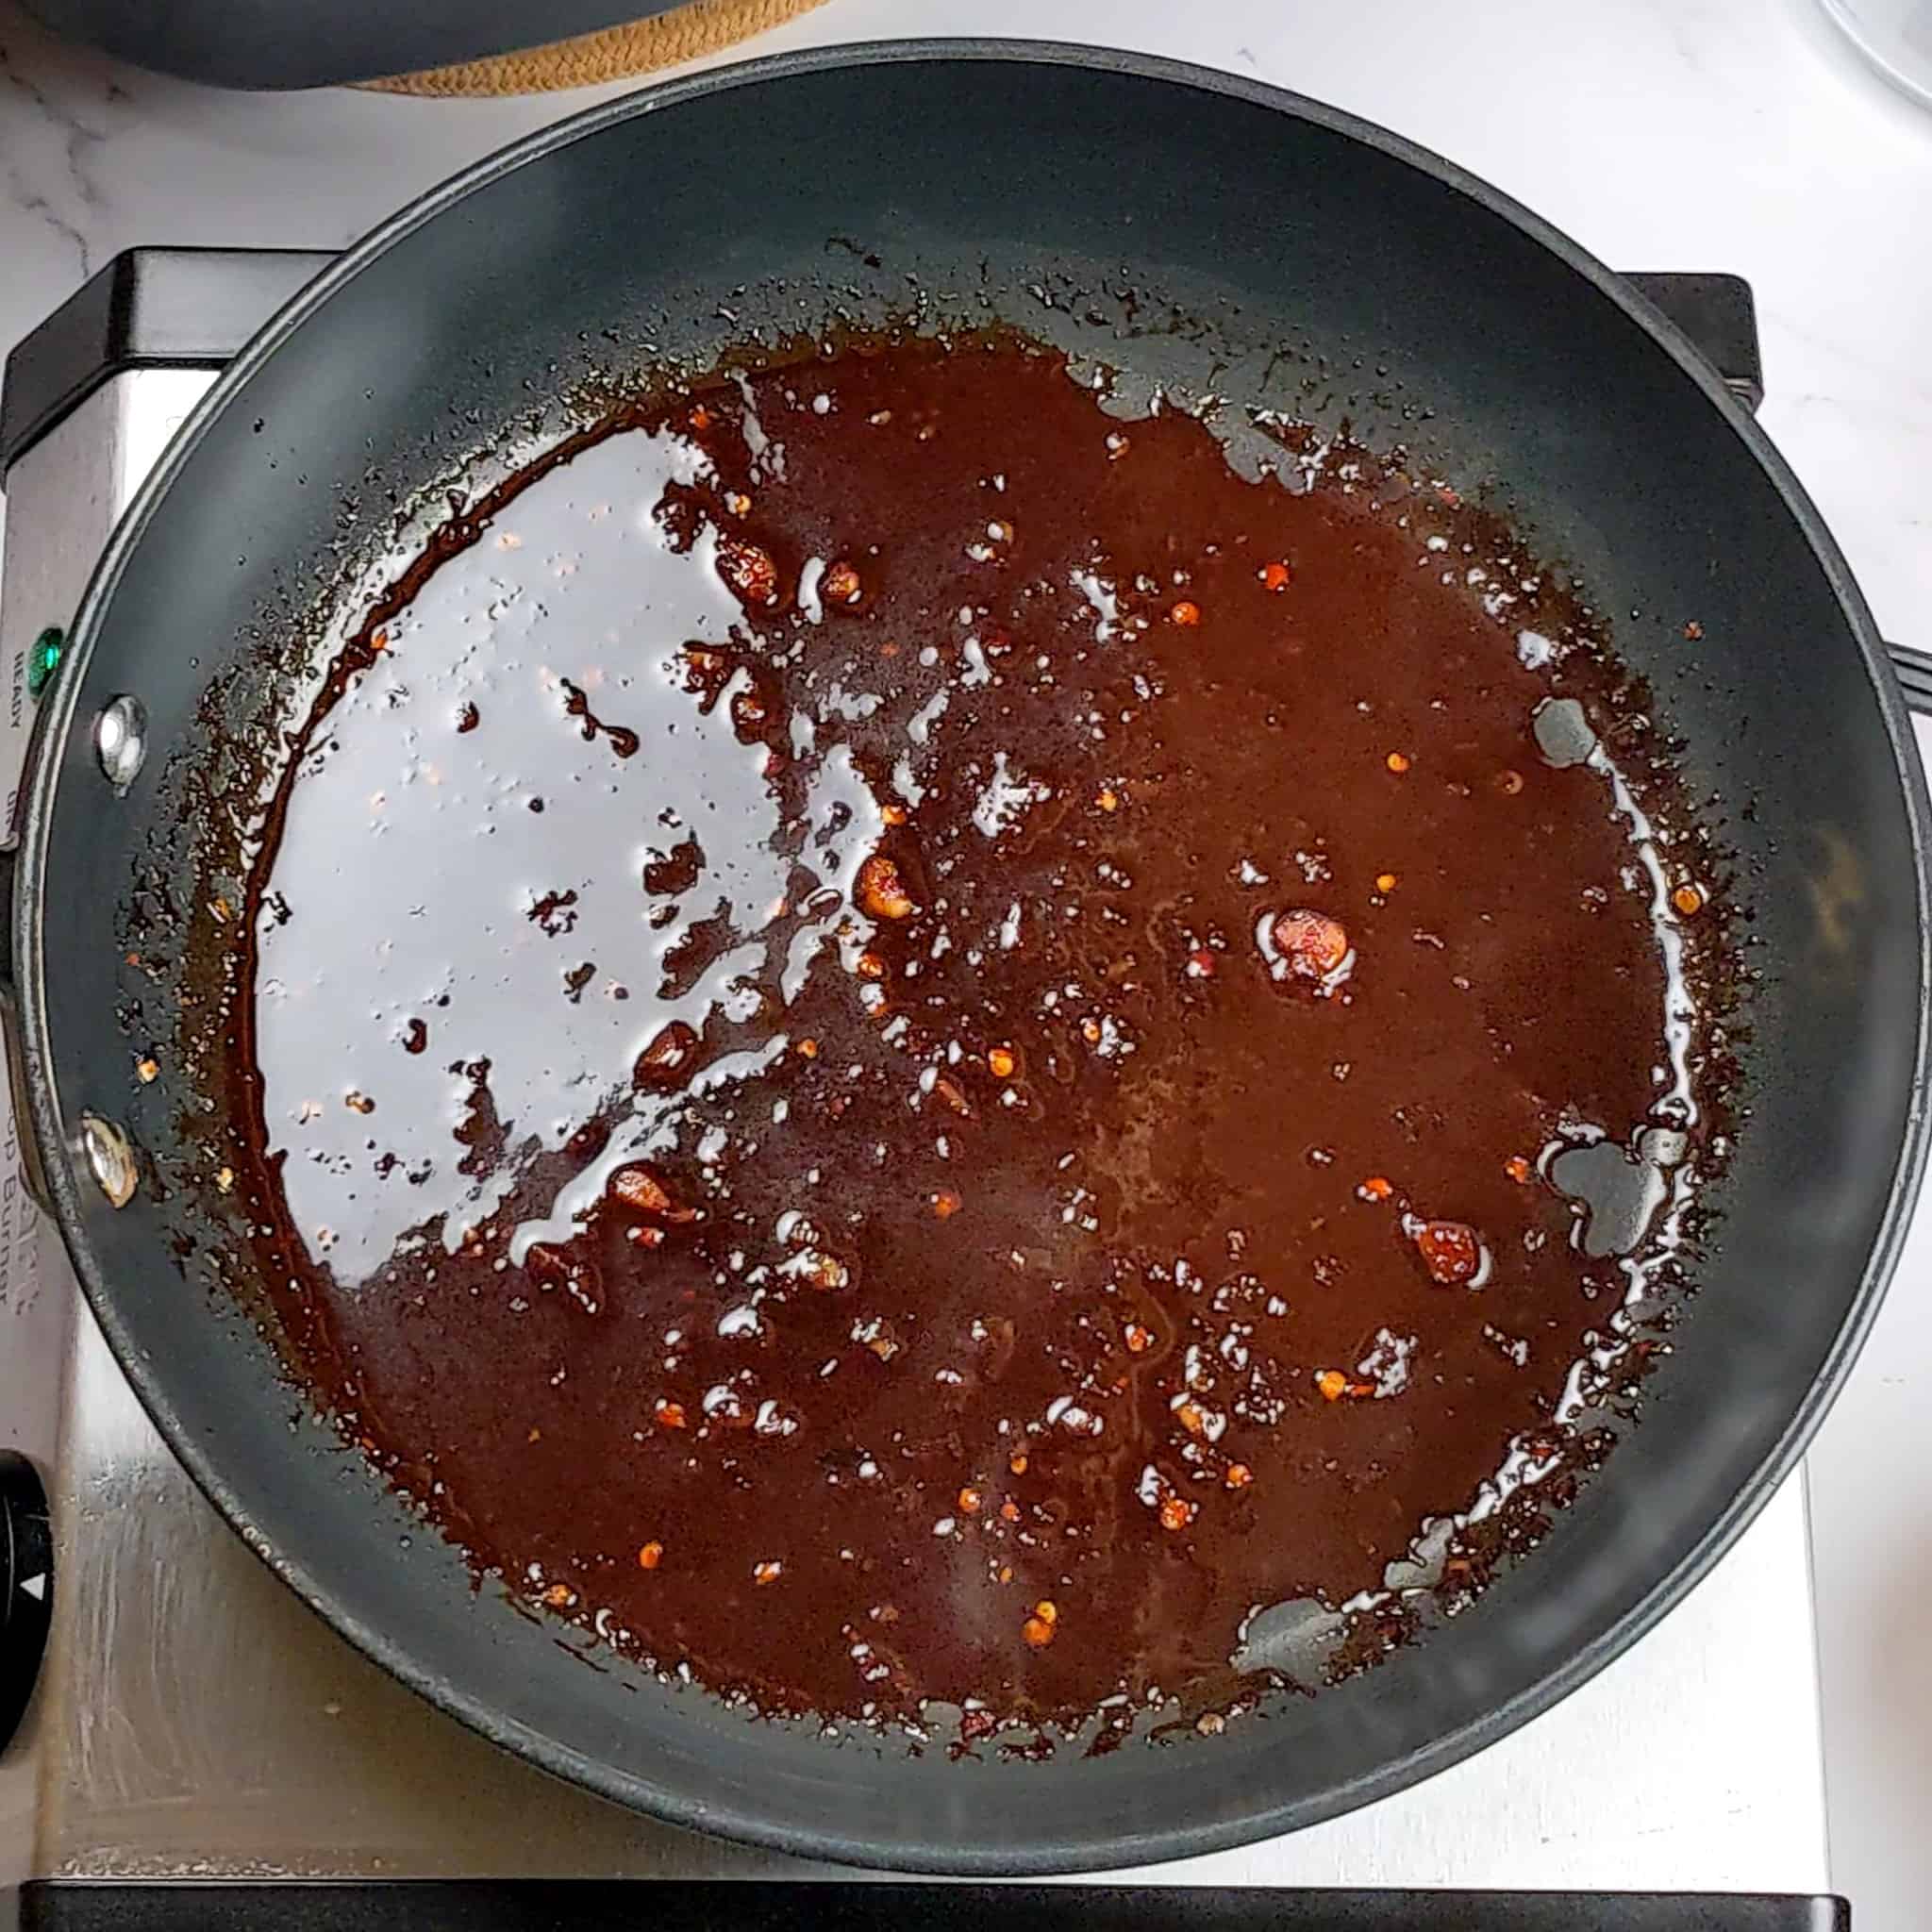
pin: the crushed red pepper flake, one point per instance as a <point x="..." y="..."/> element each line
<point x="1397" y="762"/>
<point x="1687" y="900"/>
<point x="650" y="1556"/>
<point x="1451" y="1251"/>
<point x="1519" y="1170"/>
<point x="1376" y="1188"/>
<point x="970" y="1501"/>
<point x="1239" y="1476"/>
<point x="1186" y="613"/>
<point x="1139" y="1338"/>
<point x="639" y="1189"/>
<point x="670" y="1415"/>
<point x="1017" y="1462"/>
<point x="1002" y="1063"/>
<point x="1274" y="575"/>
<point x="1313" y="944"/>
<point x="1108" y="799"/>
<point x="1176" y="1513"/>
<point x="882" y="890"/>
<point x="946" y="1202"/>
<point x="1333" y="1385"/>
<point x="767" y="1572"/>
<point x="748" y="570"/>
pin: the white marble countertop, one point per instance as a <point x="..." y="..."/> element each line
<point x="1694" y="134"/>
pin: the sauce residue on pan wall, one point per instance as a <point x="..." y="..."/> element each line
<point x="919" y="1053"/>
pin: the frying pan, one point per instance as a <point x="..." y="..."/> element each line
<point x="1204" y="231"/>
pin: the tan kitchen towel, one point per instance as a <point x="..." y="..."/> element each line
<point x="614" y="53"/>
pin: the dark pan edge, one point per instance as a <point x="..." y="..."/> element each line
<point x="56" y="723"/>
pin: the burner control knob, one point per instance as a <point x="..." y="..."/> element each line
<point x="27" y="1586"/>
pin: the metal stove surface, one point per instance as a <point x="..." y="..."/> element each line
<point x="192" y="1718"/>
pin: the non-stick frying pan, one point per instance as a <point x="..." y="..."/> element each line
<point x="1199" y="229"/>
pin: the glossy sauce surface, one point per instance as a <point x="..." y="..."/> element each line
<point x="914" y="1043"/>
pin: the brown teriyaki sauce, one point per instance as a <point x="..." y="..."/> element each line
<point x="915" y="1051"/>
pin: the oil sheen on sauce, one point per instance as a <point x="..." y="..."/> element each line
<point x="911" y="1040"/>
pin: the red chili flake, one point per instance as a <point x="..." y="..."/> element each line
<point x="1376" y="1188"/>
<point x="1108" y="799"/>
<point x="1519" y="1170"/>
<point x="1451" y="1251"/>
<point x="1333" y="1385"/>
<point x="828" y="1274"/>
<point x="1039" y="1628"/>
<point x="870" y="965"/>
<point x="1017" y="1462"/>
<point x="1139" y="1340"/>
<point x="1201" y="964"/>
<point x="1002" y="1063"/>
<point x="763" y="1573"/>
<point x="945" y="1204"/>
<point x="1192" y="1417"/>
<point x="1687" y="900"/>
<point x="664" y="1061"/>
<point x="1275" y="575"/>
<point x="700" y="418"/>
<point x="639" y="1189"/>
<point x="670" y="1415"/>
<point x="841" y="584"/>
<point x="650" y="1556"/>
<point x="949" y="1091"/>
<point x="1176" y="1513"/>
<point x="809" y="1049"/>
<point x="971" y="1500"/>
<point x="559" y="1596"/>
<point x="1239" y="1476"/>
<point x="748" y="570"/>
<point x="1009" y="1512"/>
<point x="1311" y="943"/>
<point x="1397" y="762"/>
<point x="882" y="890"/>
<point x="1186" y="613"/>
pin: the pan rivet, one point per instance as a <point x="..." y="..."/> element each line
<point x="121" y="741"/>
<point x="110" y="1158"/>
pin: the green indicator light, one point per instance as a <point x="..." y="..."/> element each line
<point x="44" y="659"/>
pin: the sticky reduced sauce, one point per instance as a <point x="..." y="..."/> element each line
<point x="915" y="1045"/>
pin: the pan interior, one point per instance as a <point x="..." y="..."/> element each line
<point x="1191" y="230"/>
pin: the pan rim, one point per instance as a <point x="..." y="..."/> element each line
<point x="740" y="1822"/>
